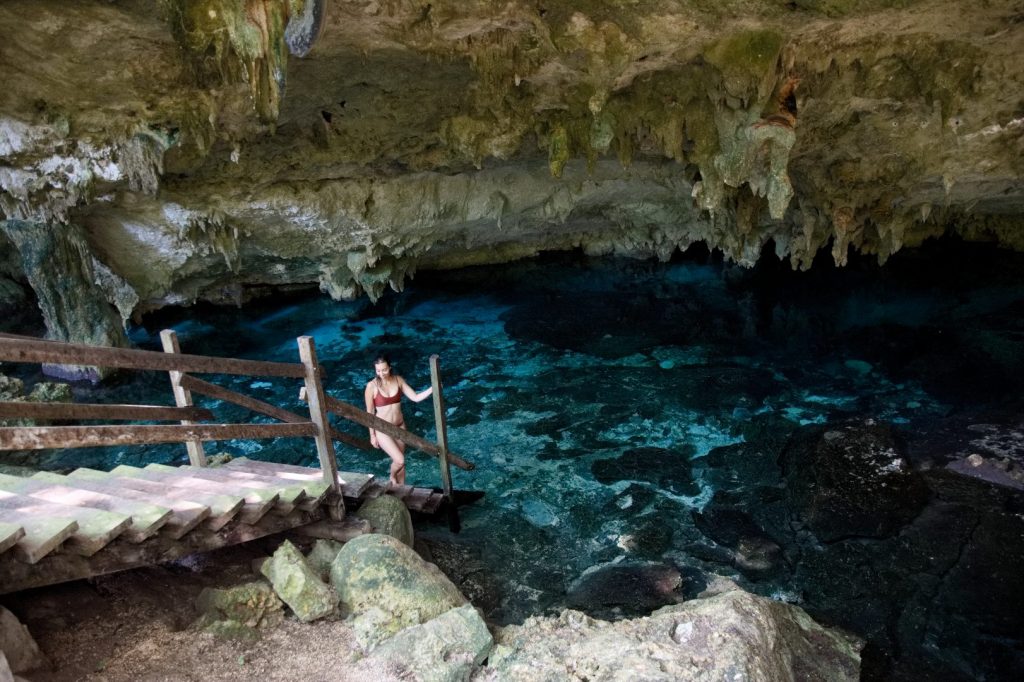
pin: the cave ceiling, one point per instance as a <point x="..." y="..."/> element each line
<point x="167" y="152"/>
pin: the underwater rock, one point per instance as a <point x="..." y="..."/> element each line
<point x="730" y="634"/>
<point x="753" y="551"/>
<point x="667" y="469"/>
<point x="625" y="588"/>
<point x="851" y="480"/>
<point x="384" y="584"/>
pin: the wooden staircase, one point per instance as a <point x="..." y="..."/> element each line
<point x="55" y="528"/>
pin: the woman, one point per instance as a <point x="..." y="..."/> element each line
<point x="383" y="397"/>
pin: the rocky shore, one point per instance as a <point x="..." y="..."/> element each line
<point x="374" y="609"/>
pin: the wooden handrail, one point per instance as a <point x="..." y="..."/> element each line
<point x="68" y="411"/>
<point x="28" y="349"/>
<point x="45" y="437"/>
<point x="374" y="422"/>
<point x="220" y="393"/>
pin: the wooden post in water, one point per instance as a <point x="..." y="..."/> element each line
<point x="318" y="413"/>
<point x="182" y="398"/>
<point x="442" y="443"/>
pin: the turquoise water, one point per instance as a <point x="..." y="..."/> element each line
<point x="589" y="393"/>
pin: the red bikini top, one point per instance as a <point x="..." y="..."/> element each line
<point x="380" y="400"/>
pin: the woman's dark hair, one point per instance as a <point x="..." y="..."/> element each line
<point x="382" y="357"/>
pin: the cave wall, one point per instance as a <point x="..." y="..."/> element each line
<point x="187" y="155"/>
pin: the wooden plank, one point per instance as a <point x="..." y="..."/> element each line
<point x="289" y="494"/>
<point x="352" y="483"/>
<point x="182" y="397"/>
<point x="417" y="498"/>
<point x="61" y="567"/>
<point x="312" y="483"/>
<point x="42" y="534"/>
<point x="368" y="420"/>
<point x="29" y="349"/>
<point x="220" y="393"/>
<point x="341" y="531"/>
<point x="441" y="425"/>
<point x="146" y="519"/>
<point x="75" y="411"/>
<point x="185" y="515"/>
<point x="375" y="489"/>
<point x="10" y="533"/>
<point x="433" y="503"/>
<point x="49" y="437"/>
<point x="223" y="508"/>
<point x="318" y="411"/>
<point x="96" y="528"/>
<point x="256" y="502"/>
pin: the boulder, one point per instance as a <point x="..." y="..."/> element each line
<point x="322" y="556"/>
<point x="730" y="635"/>
<point x="850" y="480"/>
<point x="379" y="578"/>
<point x="17" y="644"/>
<point x="446" y="649"/>
<point x="751" y="549"/>
<point x="630" y="588"/>
<point x="238" y="611"/>
<point x="298" y="585"/>
<point x="388" y="515"/>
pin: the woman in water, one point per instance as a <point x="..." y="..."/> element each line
<point x="383" y="397"/>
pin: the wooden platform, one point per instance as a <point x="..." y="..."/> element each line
<point x="55" y="528"/>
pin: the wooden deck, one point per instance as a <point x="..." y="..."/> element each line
<point x="56" y="528"/>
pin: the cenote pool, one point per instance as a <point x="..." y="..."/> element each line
<point x="639" y="427"/>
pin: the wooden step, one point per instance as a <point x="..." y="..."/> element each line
<point x="290" y="493"/>
<point x="352" y="483"/>
<point x="10" y="533"/>
<point x="310" y="479"/>
<point x="256" y="503"/>
<point x="96" y="528"/>
<point x="40" y="534"/>
<point x="251" y="489"/>
<point x="146" y="518"/>
<point x="375" y="489"/>
<point x="418" y="498"/>
<point x="223" y="508"/>
<point x="185" y="515"/>
<point x="433" y="503"/>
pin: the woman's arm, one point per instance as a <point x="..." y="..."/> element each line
<point x="413" y="395"/>
<point x="368" y="397"/>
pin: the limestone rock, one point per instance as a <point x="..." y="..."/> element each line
<point x="322" y="556"/>
<point x="632" y="588"/>
<point x="239" y="610"/>
<point x="383" y="579"/>
<point x="851" y="480"/>
<point x="445" y="649"/>
<point x="388" y="515"/>
<point x="726" y="636"/>
<point x="17" y="645"/>
<point x="298" y="585"/>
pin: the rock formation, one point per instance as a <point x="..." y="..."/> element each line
<point x="189" y="153"/>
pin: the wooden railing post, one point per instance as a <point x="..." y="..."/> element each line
<point x="182" y="398"/>
<point x="442" y="439"/>
<point x="318" y="413"/>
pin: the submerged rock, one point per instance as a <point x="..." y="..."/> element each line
<point x="625" y="588"/>
<point x="387" y="586"/>
<point x="728" y="635"/>
<point x="669" y="469"/>
<point x="298" y="585"/>
<point x="851" y="480"/>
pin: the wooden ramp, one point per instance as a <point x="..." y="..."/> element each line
<point x="56" y="528"/>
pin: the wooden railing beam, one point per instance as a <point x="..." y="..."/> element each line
<point x="317" y="412"/>
<point x="28" y="349"/>
<point x="46" y="437"/>
<point x="220" y="393"/>
<point x="69" y="411"/>
<point x="182" y="397"/>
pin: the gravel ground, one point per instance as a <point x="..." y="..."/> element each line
<point x="135" y="626"/>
